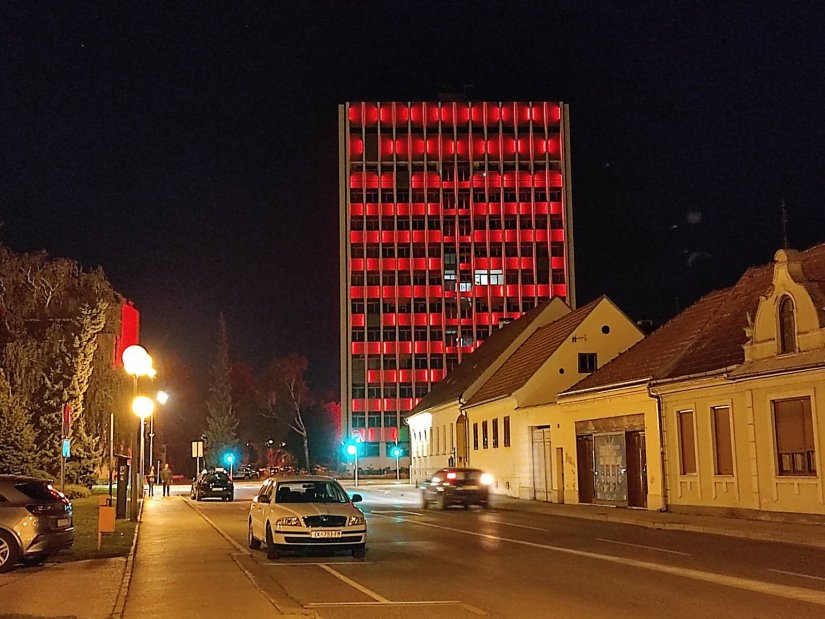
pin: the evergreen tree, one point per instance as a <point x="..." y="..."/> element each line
<point x="17" y="447"/>
<point x="221" y="420"/>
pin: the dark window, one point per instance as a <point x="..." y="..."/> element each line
<point x="357" y="251"/>
<point x="722" y="444"/>
<point x="374" y="334"/>
<point x="357" y="335"/>
<point x="484" y="435"/>
<point x="405" y="390"/>
<point x="587" y="362"/>
<point x="39" y="491"/>
<point x="687" y="444"/>
<point x="371" y="450"/>
<point x="795" y="451"/>
<point x="787" y="326"/>
<point x="374" y="420"/>
<point x="507" y="431"/>
<point x="357" y="307"/>
<point x="475" y="436"/>
<point x="495" y="433"/>
<point x="421" y="390"/>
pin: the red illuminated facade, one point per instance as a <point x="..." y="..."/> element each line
<point x="455" y="216"/>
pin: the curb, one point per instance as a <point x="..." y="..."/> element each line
<point x="125" y="581"/>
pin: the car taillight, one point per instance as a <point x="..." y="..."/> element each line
<point x="46" y="509"/>
<point x="450" y="475"/>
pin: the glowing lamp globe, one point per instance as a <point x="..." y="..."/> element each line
<point x="142" y="406"/>
<point x="136" y="361"/>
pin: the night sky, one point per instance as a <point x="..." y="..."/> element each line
<point x="190" y="149"/>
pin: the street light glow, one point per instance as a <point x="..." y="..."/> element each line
<point x="143" y="406"/>
<point x="136" y="361"/>
<point x="162" y="397"/>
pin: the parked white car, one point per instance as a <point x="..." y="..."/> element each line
<point x="301" y="512"/>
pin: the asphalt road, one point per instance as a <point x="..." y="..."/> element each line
<point x="508" y="563"/>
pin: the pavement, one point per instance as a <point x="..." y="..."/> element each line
<point x="178" y="558"/>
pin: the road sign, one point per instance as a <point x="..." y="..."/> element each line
<point x="67" y="420"/>
<point x="197" y="449"/>
<point x="67" y="448"/>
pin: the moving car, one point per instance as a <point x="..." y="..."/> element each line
<point x="457" y="486"/>
<point x="302" y="512"/>
<point x="247" y="471"/>
<point x="213" y="484"/>
<point x="35" y="520"/>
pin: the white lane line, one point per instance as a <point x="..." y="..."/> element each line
<point x="796" y="574"/>
<point x="469" y="607"/>
<point x="300" y="564"/>
<point x="613" y="541"/>
<point x="801" y="594"/>
<point x="521" y="526"/>
<point x="392" y="512"/>
<point x="368" y="592"/>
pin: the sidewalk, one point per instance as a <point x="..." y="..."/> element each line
<point x="184" y="568"/>
<point x="812" y="535"/>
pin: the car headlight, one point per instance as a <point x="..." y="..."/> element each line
<point x="355" y="521"/>
<point x="288" y="521"/>
<point x="486" y="479"/>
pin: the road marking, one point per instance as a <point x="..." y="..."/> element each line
<point x="384" y="512"/>
<point x="801" y="594"/>
<point x="796" y="574"/>
<point x="368" y="592"/>
<point x="468" y="607"/>
<point x="513" y="524"/>
<point x="673" y="552"/>
<point x="301" y="563"/>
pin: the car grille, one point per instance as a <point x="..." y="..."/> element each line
<point x="325" y="521"/>
<point x="347" y="539"/>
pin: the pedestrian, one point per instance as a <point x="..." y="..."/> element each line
<point x="150" y="480"/>
<point x="166" y="478"/>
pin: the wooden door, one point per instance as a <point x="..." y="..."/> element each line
<point x="636" y="469"/>
<point x="584" y="462"/>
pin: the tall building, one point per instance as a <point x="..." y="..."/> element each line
<point x="454" y="218"/>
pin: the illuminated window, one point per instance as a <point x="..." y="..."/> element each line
<point x="489" y="278"/>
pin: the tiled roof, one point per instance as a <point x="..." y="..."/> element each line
<point x="473" y="365"/>
<point x="707" y="336"/>
<point x="532" y="353"/>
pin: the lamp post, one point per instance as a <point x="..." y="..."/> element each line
<point x="136" y="362"/>
<point x="143" y="407"/>
<point x="162" y="398"/>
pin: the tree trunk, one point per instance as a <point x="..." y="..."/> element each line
<point x="306" y="451"/>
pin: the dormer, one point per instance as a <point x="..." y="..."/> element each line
<point x="790" y="319"/>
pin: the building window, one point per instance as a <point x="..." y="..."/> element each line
<point x="507" y="431"/>
<point x="358" y="420"/>
<point x="687" y="444"/>
<point x="795" y="451"/>
<point x="587" y="362"/>
<point x="495" y="433"/>
<point x="371" y="450"/>
<point x="722" y="443"/>
<point x="475" y="436"/>
<point x="374" y="420"/>
<point x="787" y="326"/>
<point x="489" y="278"/>
<point x="485" y="441"/>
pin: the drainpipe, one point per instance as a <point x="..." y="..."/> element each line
<point x="660" y="414"/>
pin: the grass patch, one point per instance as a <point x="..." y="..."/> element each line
<point x="117" y="544"/>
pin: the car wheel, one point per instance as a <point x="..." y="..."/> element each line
<point x="271" y="549"/>
<point x="424" y="503"/>
<point x="360" y="551"/>
<point x="9" y="552"/>
<point x="253" y="543"/>
<point x="440" y="502"/>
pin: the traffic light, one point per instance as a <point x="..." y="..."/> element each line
<point x="352" y="447"/>
<point x="395" y="452"/>
<point x="229" y="458"/>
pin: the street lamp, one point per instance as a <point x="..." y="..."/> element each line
<point x="143" y="407"/>
<point x="136" y="362"/>
<point x="162" y="397"/>
<point x="396" y="453"/>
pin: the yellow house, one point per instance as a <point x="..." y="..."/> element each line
<point x="513" y="425"/>
<point x="439" y="435"/>
<point x="744" y="413"/>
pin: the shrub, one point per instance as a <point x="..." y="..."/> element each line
<point x="75" y="491"/>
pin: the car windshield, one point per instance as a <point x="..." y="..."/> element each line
<point x="39" y="491"/>
<point x="217" y="478"/>
<point x="310" y="492"/>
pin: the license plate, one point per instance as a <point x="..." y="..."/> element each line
<point x="216" y="489"/>
<point x="471" y="487"/>
<point x="325" y="534"/>
<point x="63" y="522"/>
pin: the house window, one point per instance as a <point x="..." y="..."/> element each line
<point x="795" y="451"/>
<point x="495" y="433"/>
<point x="507" y="431"/>
<point x="475" y="436"/>
<point x="687" y="444"/>
<point x="485" y="442"/>
<point x="787" y="326"/>
<point x="587" y="362"/>
<point x="722" y="444"/>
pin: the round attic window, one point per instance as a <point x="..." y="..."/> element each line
<point x="605" y="329"/>
<point x="561" y="370"/>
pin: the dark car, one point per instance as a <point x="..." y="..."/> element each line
<point x="35" y="520"/>
<point x="211" y="485"/>
<point x="247" y="471"/>
<point x="457" y="486"/>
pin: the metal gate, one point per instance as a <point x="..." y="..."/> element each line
<point x="542" y="458"/>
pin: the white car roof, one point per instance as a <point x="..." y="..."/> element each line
<point x="298" y="478"/>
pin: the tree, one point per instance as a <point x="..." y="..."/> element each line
<point x="221" y="420"/>
<point x="288" y="396"/>
<point x="17" y="447"/>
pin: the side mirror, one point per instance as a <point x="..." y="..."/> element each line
<point x="357" y="498"/>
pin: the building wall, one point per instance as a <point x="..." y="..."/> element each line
<point x="454" y="216"/>
<point x="756" y="483"/>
